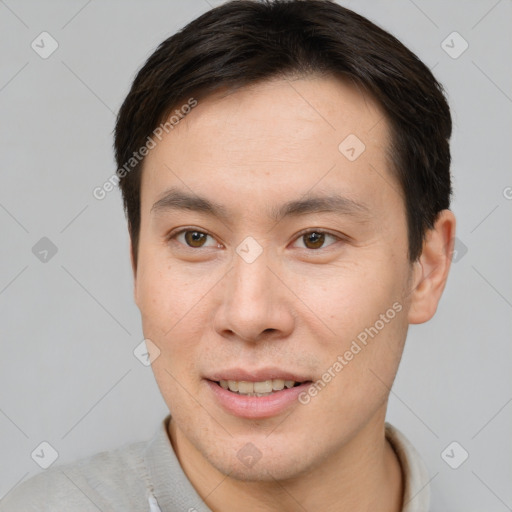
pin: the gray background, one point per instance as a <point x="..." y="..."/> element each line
<point x="69" y="326"/>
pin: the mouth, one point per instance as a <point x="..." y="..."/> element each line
<point x="260" y="388"/>
<point x="256" y="399"/>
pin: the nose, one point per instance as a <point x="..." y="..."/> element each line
<point x="255" y="305"/>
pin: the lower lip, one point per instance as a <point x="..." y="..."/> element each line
<point x="253" y="407"/>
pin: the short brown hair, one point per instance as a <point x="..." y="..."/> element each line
<point x="243" y="41"/>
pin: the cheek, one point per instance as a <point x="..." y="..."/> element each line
<point x="171" y="313"/>
<point x="165" y="295"/>
<point x="363" y="308"/>
<point x="173" y="300"/>
<point x="351" y="298"/>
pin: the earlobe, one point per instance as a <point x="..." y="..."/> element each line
<point x="431" y="270"/>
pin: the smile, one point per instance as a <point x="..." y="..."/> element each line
<point x="256" y="400"/>
<point x="262" y="388"/>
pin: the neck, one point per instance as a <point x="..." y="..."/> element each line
<point x="364" y="474"/>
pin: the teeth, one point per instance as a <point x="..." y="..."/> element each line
<point x="262" y="388"/>
<point x="244" y="387"/>
<point x="277" y="384"/>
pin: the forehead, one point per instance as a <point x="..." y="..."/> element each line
<point x="296" y="110"/>
<point x="278" y="137"/>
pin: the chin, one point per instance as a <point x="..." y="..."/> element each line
<point x="273" y="464"/>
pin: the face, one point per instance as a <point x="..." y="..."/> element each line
<point x="257" y="277"/>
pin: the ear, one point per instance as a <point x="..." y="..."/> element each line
<point x="431" y="269"/>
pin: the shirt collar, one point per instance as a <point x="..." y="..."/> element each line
<point x="416" y="478"/>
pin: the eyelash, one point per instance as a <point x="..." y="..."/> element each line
<point x="173" y="235"/>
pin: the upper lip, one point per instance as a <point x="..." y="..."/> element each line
<point x="256" y="375"/>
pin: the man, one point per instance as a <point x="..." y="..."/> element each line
<point x="285" y="174"/>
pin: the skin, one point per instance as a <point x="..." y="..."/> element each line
<point x="298" y="306"/>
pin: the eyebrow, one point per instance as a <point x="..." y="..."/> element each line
<point x="177" y="199"/>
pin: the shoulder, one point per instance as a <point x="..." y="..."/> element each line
<point x="110" y="481"/>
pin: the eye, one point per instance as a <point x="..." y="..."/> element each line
<point x="193" y="238"/>
<point x="314" y="239"/>
<point x="196" y="239"/>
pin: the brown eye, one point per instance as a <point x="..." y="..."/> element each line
<point x="195" y="238"/>
<point x="313" y="239"/>
<point x="316" y="239"/>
